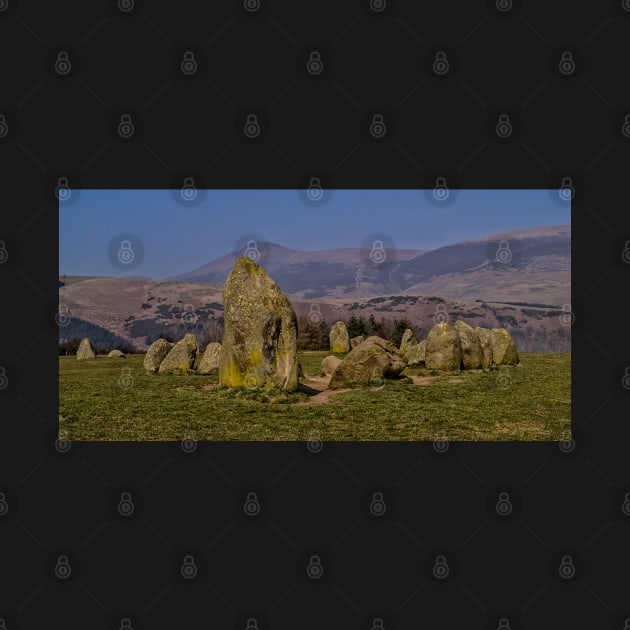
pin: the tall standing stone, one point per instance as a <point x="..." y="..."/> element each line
<point x="503" y="348"/>
<point x="407" y="340"/>
<point x="260" y="331"/>
<point x="444" y="349"/>
<point x="485" y="338"/>
<point x="472" y="354"/>
<point x="339" y="337"/>
<point x="85" y="350"/>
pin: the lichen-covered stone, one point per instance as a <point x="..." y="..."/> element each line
<point x="116" y="354"/>
<point x="443" y="349"/>
<point x="503" y="348"/>
<point x="370" y="361"/>
<point x="485" y="339"/>
<point x="329" y="364"/>
<point x="260" y="331"/>
<point x="156" y="353"/>
<point x="416" y="353"/>
<point x="85" y="350"/>
<point x="407" y="340"/>
<point x="472" y="353"/>
<point x="182" y="355"/>
<point x="355" y="341"/>
<point x="210" y="358"/>
<point x="339" y="337"/>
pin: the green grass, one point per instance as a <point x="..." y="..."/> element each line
<point x="97" y="401"/>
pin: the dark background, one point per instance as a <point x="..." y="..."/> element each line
<point x="376" y="568"/>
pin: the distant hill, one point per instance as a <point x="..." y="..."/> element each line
<point x="538" y="268"/>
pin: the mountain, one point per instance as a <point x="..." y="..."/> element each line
<point x="536" y="267"/>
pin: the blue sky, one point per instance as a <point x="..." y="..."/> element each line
<point x="168" y="235"/>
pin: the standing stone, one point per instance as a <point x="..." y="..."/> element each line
<point x="329" y="364"/>
<point x="85" y="350"/>
<point x="416" y="354"/>
<point x="355" y="341"/>
<point x="485" y="338"/>
<point x="156" y="354"/>
<point x="444" y="349"/>
<point x="182" y="355"/>
<point x="116" y="354"/>
<point x="260" y="331"/>
<point x="472" y="354"/>
<point x="210" y="359"/>
<point x="407" y="340"/>
<point x="374" y="359"/>
<point x="503" y="348"/>
<point x="339" y="338"/>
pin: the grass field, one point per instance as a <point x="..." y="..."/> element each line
<point x="115" y="399"/>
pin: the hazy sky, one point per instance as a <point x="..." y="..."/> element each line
<point x="168" y="235"/>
